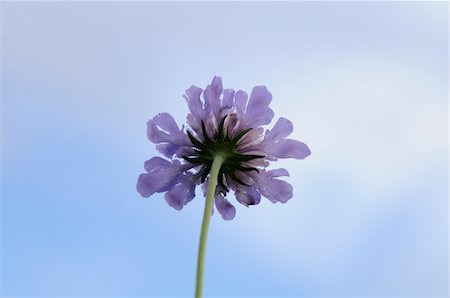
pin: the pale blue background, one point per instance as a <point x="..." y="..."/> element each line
<point x="364" y="83"/>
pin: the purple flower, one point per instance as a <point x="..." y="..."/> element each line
<point x="229" y="123"/>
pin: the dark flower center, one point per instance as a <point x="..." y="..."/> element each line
<point x="225" y="145"/>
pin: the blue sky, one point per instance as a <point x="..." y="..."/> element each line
<point x="365" y="84"/>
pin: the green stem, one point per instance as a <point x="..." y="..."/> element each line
<point x="212" y="183"/>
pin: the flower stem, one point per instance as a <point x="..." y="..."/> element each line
<point x="212" y="183"/>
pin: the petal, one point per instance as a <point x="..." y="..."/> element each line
<point x="216" y="86"/>
<point x="181" y="194"/>
<point x="277" y="173"/>
<point x="194" y="123"/>
<point x="228" y="96"/>
<point x="253" y="195"/>
<point x="258" y="112"/>
<point x="288" y="149"/>
<point x="273" y="189"/>
<point x="211" y="95"/>
<point x="231" y="123"/>
<point x="240" y="100"/>
<point x="226" y="210"/>
<point x="193" y="100"/>
<point x="251" y="140"/>
<point x="248" y="196"/>
<point x="282" y="128"/>
<point x="167" y="149"/>
<point x="145" y="186"/>
<point x="156" y="163"/>
<point x="149" y="183"/>
<point x="198" y="112"/>
<point x="162" y="128"/>
<point x="161" y="175"/>
<point x="166" y="122"/>
<point x="276" y="146"/>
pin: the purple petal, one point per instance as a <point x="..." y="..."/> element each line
<point x="282" y="128"/>
<point x="240" y="100"/>
<point x="288" y="149"/>
<point x="228" y="96"/>
<point x="145" y="187"/>
<point x="277" y="173"/>
<point x="169" y="129"/>
<point x="194" y="123"/>
<point x="258" y="112"/>
<point x="167" y="149"/>
<point x="193" y="100"/>
<point x="211" y="95"/>
<point x="198" y="112"/>
<point x="216" y="86"/>
<point x="149" y="183"/>
<point x="273" y="189"/>
<point x="181" y="194"/>
<point x="163" y="129"/>
<point x="161" y="175"/>
<point x="157" y="164"/>
<point x="247" y="196"/>
<point x="226" y="210"/>
<point x="231" y="123"/>
<point x="276" y="146"/>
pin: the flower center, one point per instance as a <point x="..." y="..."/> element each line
<point x="225" y="145"/>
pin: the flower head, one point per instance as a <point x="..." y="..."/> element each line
<point x="228" y="123"/>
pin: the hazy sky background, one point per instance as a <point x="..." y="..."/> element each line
<point x="365" y="84"/>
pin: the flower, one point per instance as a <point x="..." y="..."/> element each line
<point x="228" y="123"/>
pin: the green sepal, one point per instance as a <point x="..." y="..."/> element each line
<point x="220" y="130"/>
<point x="195" y="159"/>
<point x="206" y="169"/>
<point x="221" y="143"/>
<point x="236" y="139"/>
<point x="246" y="169"/>
<point x="233" y="176"/>
<point x="196" y="142"/>
<point x="221" y="180"/>
<point x="245" y="157"/>
<point x="205" y="134"/>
